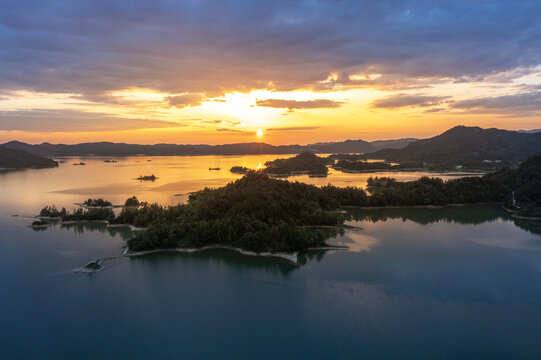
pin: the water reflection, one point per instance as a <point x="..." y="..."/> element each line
<point x="81" y="227"/>
<point x="465" y="215"/>
<point x="220" y="258"/>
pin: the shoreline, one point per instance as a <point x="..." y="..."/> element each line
<point x="95" y="265"/>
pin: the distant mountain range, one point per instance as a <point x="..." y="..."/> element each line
<point x="17" y="159"/>
<point x="121" y="149"/>
<point x="468" y="145"/>
<point x="459" y="145"/>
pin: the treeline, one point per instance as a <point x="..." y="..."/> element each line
<point x="349" y="165"/>
<point x="97" y="203"/>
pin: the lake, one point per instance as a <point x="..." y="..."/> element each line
<point x="417" y="283"/>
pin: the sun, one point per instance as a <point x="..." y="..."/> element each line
<point x="259" y="133"/>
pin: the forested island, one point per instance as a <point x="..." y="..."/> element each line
<point x="97" y="203"/>
<point x="239" y="170"/>
<point x="262" y="214"/>
<point x="147" y="178"/>
<point x="19" y="159"/>
<point x="304" y="163"/>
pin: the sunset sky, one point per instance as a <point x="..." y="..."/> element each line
<point x="204" y="71"/>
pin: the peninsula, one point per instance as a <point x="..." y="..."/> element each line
<point x="20" y="159"/>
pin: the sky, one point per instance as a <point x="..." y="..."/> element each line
<point x="281" y="71"/>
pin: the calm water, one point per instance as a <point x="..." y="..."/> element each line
<point x="458" y="282"/>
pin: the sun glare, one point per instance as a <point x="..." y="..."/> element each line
<point x="259" y="133"/>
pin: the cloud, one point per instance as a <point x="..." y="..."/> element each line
<point x="435" y="110"/>
<point x="405" y="100"/>
<point x="529" y="101"/>
<point x="45" y="120"/>
<point x="93" y="47"/>
<point x="292" y="128"/>
<point x="296" y="104"/>
<point x="185" y="100"/>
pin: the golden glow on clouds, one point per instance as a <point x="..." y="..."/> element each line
<point x="236" y="117"/>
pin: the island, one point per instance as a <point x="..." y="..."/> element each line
<point x="304" y="163"/>
<point x="240" y="170"/>
<point x="147" y="178"/>
<point x="97" y="203"/>
<point x="262" y="214"/>
<point x="20" y="159"/>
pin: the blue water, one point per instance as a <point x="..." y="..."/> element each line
<point x="430" y="288"/>
<point x="451" y="283"/>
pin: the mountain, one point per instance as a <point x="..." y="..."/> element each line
<point x="121" y="149"/>
<point x="392" y="144"/>
<point x="467" y="145"/>
<point x="533" y="131"/>
<point x="348" y="146"/>
<point x="20" y="159"/>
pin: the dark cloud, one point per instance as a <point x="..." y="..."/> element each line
<point x="185" y="100"/>
<point x="405" y="100"/>
<point x="296" y="104"/>
<point x="91" y="47"/>
<point x="73" y="120"/>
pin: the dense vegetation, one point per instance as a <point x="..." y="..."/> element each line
<point x="364" y="166"/>
<point x="93" y="214"/>
<point x="52" y="212"/>
<point x="256" y="213"/>
<point x="133" y="201"/>
<point x="19" y="159"/>
<point x="524" y="181"/>
<point x="97" y="203"/>
<point x="304" y="163"/>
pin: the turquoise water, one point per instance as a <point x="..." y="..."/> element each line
<point x="458" y="282"/>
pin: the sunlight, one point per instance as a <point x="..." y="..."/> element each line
<point x="259" y="133"/>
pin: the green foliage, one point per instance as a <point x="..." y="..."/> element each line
<point x="94" y="214"/>
<point x="52" y="211"/>
<point x="133" y="201"/>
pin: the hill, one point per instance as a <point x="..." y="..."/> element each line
<point x="20" y="159"/>
<point x="348" y="146"/>
<point x="392" y="144"/>
<point x="122" y="149"/>
<point x="467" y="146"/>
<point x="304" y="163"/>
